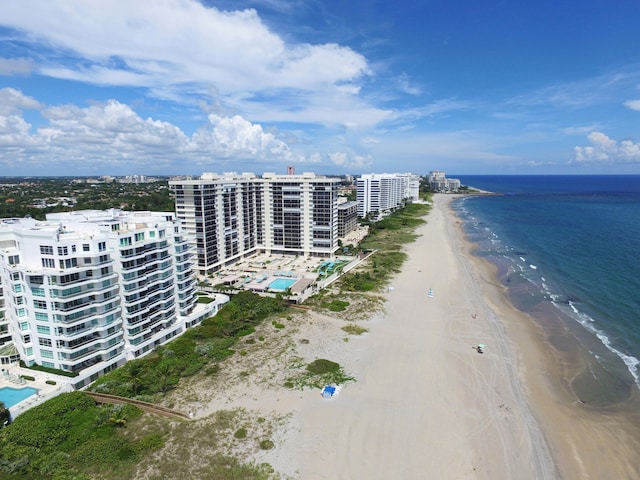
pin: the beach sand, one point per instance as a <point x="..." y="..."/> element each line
<point x="426" y="404"/>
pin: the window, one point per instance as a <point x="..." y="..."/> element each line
<point x="63" y="251"/>
<point x="45" y="342"/>
<point x="15" y="276"/>
<point x="13" y="259"/>
<point x="115" y="227"/>
<point x="21" y="312"/>
<point x="24" y="326"/>
<point x="48" y="263"/>
<point x="46" y="353"/>
<point x="30" y="352"/>
<point x="19" y="300"/>
<point x="36" y="279"/>
<point x="40" y="304"/>
<point x="104" y="271"/>
<point x="17" y="288"/>
<point x="42" y="317"/>
<point x="102" y="246"/>
<point x="68" y="263"/>
<point x="125" y="241"/>
<point x="37" y="292"/>
<point x="86" y="247"/>
<point x="46" y="249"/>
<point x="49" y="364"/>
<point x="73" y="249"/>
<point x="87" y="260"/>
<point x="139" y="236"/>
<point x="26" y="338"/>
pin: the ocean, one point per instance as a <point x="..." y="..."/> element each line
<point x="568" y="250"/>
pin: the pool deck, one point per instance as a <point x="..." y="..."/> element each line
<point x="10" y="377"/>
<point x="258" y="272"/>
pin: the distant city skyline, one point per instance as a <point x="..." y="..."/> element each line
<point x="183" y="87"/>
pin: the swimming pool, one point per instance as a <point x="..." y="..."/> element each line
<point x="281" y="283"/>
<point x="11" y="396"/>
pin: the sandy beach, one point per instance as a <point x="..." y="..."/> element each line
<point x="426" y="404"/>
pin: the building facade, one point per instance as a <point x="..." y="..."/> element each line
<point x="232" y="216"/>
<point x="383" y="193"/>
<point x="86" y="291"/>
<point x="438" y="182"/>
<point x="347" y="217"/>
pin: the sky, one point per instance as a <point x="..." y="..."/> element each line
<point x="181" y="87"/>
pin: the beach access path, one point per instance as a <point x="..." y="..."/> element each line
<point x="426" y="404"/>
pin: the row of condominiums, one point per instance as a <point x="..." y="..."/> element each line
<point x="85" y="291"/>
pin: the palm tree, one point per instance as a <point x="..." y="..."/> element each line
<point x="164" y="375"/>
<point x="134" y="373"/>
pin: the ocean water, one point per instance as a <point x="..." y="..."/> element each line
<point x="568" y="250"/>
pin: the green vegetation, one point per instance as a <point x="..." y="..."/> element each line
<point x="352" y="329"/>
<point x="336" y="305"/>
<point x="317" y="374"/>
<point x="149" y="378"/>
<point x="5" y="414"/>
<point x="266" y="444"/>
<point x="70" y="436"/>
<point x="36" y="197"/>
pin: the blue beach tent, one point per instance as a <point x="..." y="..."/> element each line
<point x="328" y="391"/>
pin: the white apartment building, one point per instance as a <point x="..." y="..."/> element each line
<point x="438" y="182"/>
<point x="85" y="291"/>
<point x="232" y="216"/>
<point x="379" y="193"/>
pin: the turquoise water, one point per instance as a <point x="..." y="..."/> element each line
<point x="12" y="396"/>
<point x="567" y="250"/>
<point x="281" y="283"/>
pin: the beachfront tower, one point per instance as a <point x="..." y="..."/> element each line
<point x="86" y="291"/>
<point x="234" y="216"/>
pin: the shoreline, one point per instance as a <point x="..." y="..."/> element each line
<point x="424" y="402"/>
<point x="588" y="441"/>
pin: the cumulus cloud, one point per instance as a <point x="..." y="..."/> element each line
<point x="351" y="161"/>
<point x="235" y="136"/>
<point x="607" y="151"/>
<point x="111" y="136"/>
<point x="180" y="48"/>
<point x="13" y="101"/>
<point x="633" y="104"/>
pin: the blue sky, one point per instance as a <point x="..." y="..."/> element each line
<point x="178" y="87"/>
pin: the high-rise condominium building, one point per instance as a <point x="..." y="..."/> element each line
<point x="86" y="291"/>
<point x="232" y="216"/>
<point x="379" y="193"/>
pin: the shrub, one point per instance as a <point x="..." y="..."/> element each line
<point x="266" y="444"/>
<point x="322" y="366"/>
<point x="241" y="433"/>
<point x="354" y="329"/>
